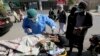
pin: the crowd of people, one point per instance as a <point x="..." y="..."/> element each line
<point x="79" y="21"/>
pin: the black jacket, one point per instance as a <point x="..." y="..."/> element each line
<point x="62" y="17"/>
<point x="72" y="23"/>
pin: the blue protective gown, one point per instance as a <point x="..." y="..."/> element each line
<point x="39" y="26"/>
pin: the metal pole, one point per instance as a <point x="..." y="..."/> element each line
<point x="40" y="5"/>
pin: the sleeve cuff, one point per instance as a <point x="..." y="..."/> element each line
<point x="54" y="27"/>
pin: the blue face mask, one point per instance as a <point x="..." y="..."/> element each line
<point x="80" y="10"/>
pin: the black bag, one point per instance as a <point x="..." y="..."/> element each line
<point x="77" y="32"/>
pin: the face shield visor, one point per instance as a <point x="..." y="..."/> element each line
<point x="80" y="10"/>
<point x="81" y="7"/>
<point x="34" y="19"/>
<point x="32" y="14"/>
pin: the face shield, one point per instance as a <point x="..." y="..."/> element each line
<point x="82" y="7"/>
<point x="32" y="14"/>
<point x="34" y="19"/>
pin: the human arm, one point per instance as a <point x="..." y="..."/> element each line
<point x="51" y="23"/>
<point x="89" y="20"/>
<point x="26" y="26"/>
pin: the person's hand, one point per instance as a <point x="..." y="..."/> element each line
<point x="77" y="30"/>
<point x="29" y="30"/>
<point x="80" y="28"/>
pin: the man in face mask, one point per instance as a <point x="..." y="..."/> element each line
<point x="35" y="23"/>
<point x="32" y="14"/>
<point x="80" y="24"/>
<point x="82" y="8"/>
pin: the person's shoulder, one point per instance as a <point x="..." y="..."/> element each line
<point x="39" y="15"/>
<point x="63" y="11"/>
<point x="76" y="13"/>
<point x="88" y="13"/>
<point x="70" y="15"/>
<point x="25" y="18"/>
<point x="42" y="15"/>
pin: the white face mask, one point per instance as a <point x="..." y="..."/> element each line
<point x="34" y="19"/>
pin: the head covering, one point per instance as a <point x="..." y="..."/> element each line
<point x="60" y="7"/>
<point x="73" y="10"/>
<point x="31" y="13"/>
<point x="82" y="5"/>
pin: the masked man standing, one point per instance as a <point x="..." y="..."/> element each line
<point x="80" y="23"/>
<point x="35" y="23"/>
